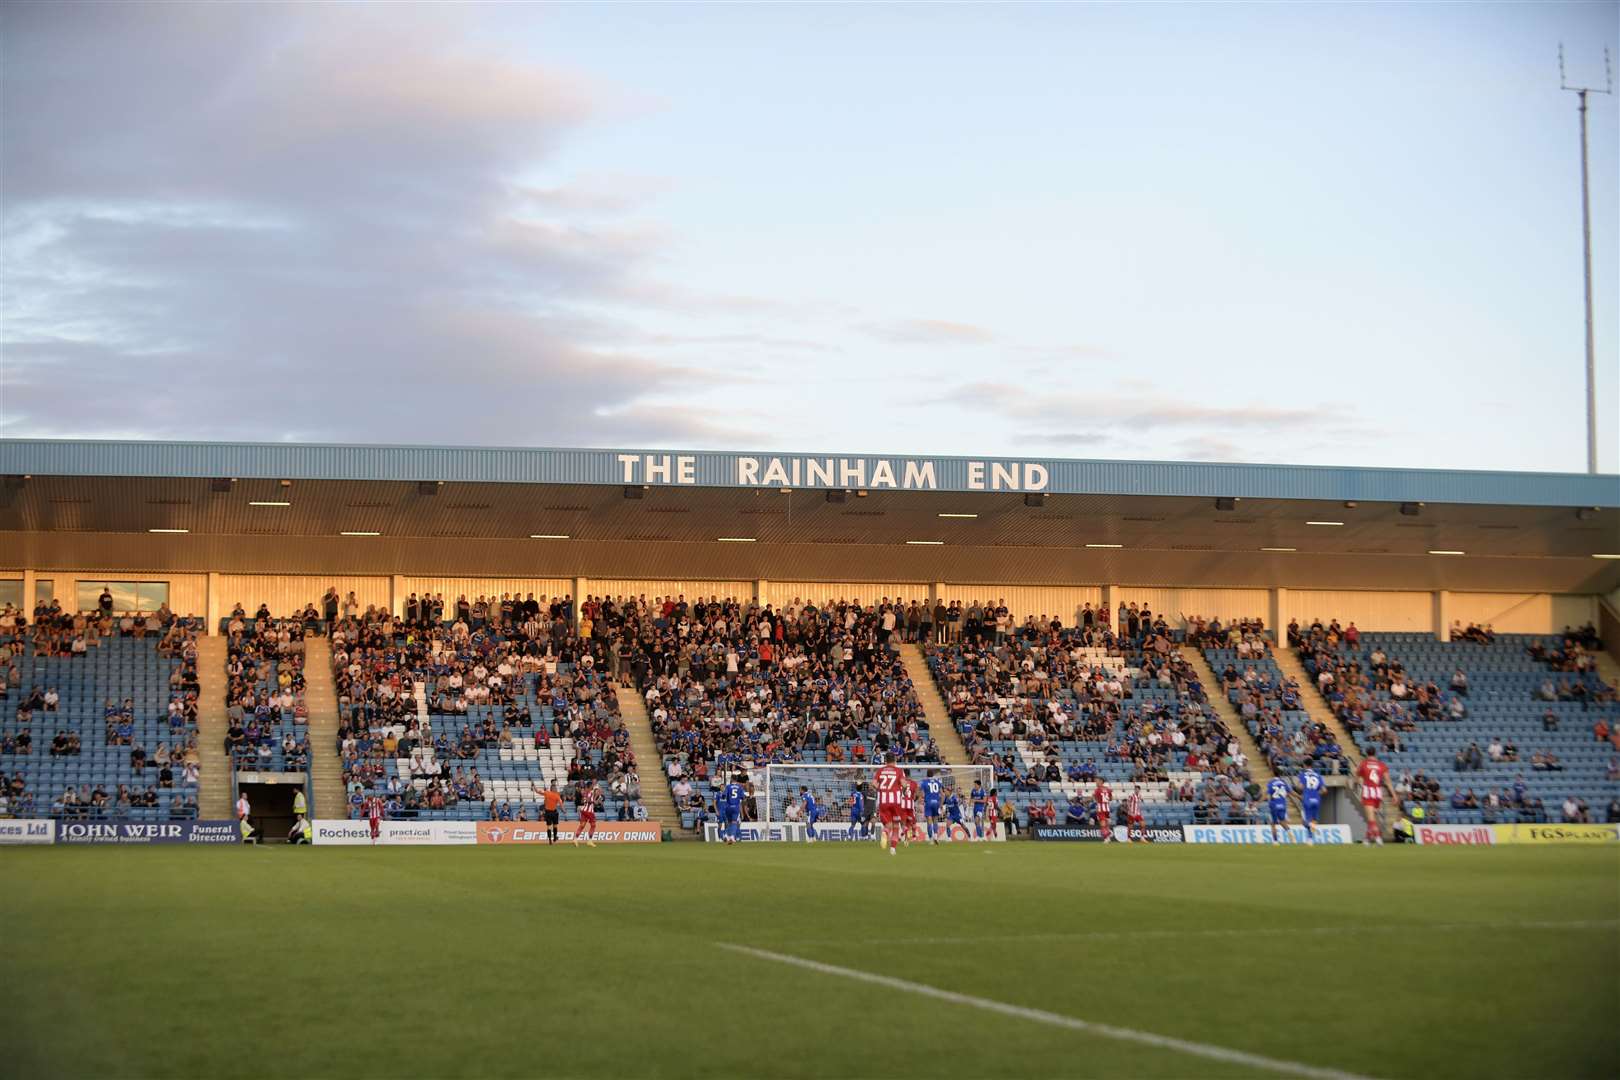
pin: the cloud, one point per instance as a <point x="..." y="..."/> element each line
<point x="1135" y="421"/>
<point x="928" y="332"/>
<point x="1133" y="411"/>
<point x="263" y="222"/>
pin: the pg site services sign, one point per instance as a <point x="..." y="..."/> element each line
<point x="27" y="831"/>
<point x="1261" y="834"/>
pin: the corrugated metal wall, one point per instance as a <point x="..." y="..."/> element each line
<point x="778" y="593"/>
<point x="570" y="466"/>
<point x="652" y="589"/>
<point x="474" y="587"/>
<point x="286" y="593"/>
<point x="1059" y="601"/>
<point x="1174" y="604"/>
<point x="1407" y="611"/>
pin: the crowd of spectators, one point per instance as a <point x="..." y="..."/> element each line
<point x="265" y="709"/>
<point x="1045" y="686"/>
<point x="728" y="683"/>
<point x="55" y="633"/>
<point x="437" y="696"/>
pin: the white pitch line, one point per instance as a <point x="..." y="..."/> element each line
<point x="1040" y="1016"/>
<point x="1277" y="931"/>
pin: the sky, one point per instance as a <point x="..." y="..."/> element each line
<point x="1294" y="233"/>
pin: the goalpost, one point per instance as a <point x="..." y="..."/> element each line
<point x="833" y="785"/>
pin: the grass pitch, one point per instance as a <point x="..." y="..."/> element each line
<point x="527" y="962"/>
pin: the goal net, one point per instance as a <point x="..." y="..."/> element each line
<point x="780" y="793"/>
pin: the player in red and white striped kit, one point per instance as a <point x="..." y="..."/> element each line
<point x="590" y="797"/>
<point x="374" y="815"/>
<point x="1104" y="798"/>
<point x="1374" y="776"/>
<point x="894" y="802"/>
<point x="1133" y="815"/>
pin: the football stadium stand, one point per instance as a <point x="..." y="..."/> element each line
<point x="1054" y="710"/>
<point x="732" y="686"/>
<point x="100" y="716"/>
<point x="472" y="719"/>
<point x="1474" y="731"/>
<point x="449" y="630"/>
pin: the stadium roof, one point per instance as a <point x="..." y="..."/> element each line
<point x="657" y="513"/>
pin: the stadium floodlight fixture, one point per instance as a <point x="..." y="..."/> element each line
<point x="925" y="543"/>
<point x="548" y="536"/>
<point x="1105" y="545"/>
<point x="957" y="515"/>
<point x="1441" y="551"/>
<point x="1324" y="523"/>
<point x="737" y="539"/>
<point x="168" y="530"/>
<point x="1278" y="549"/>
<point x="268" y="502"/>
<point x="359" y="532"/>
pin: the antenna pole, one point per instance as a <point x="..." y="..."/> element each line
<point x="1586" y="252"/>
<point x="1586" y="255"/>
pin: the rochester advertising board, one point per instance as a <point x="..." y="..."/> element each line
<point x="358" y="833"/>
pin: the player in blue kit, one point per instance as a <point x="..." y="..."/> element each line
<point x="857" y="810"/>
<point x="953" y="816"/>
<point x="1310" y="801"/>
<point x="932" y="792"/>
<point x="1277" y="795"/>
<point x="978" y="809"/>
<point x="731" y="799"/>
<point x="812" y="813"/>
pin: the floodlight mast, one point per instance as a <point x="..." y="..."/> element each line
<point x="1586" y="248"/>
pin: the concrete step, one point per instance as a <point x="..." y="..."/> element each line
<point x="944" y="733"/>
<point x="214" y="787"/>
<point x="320" y="697"/>
<point x="655" y="794"/>
<point x="1259" y="767"/>
<point x="1317" y="708"/>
